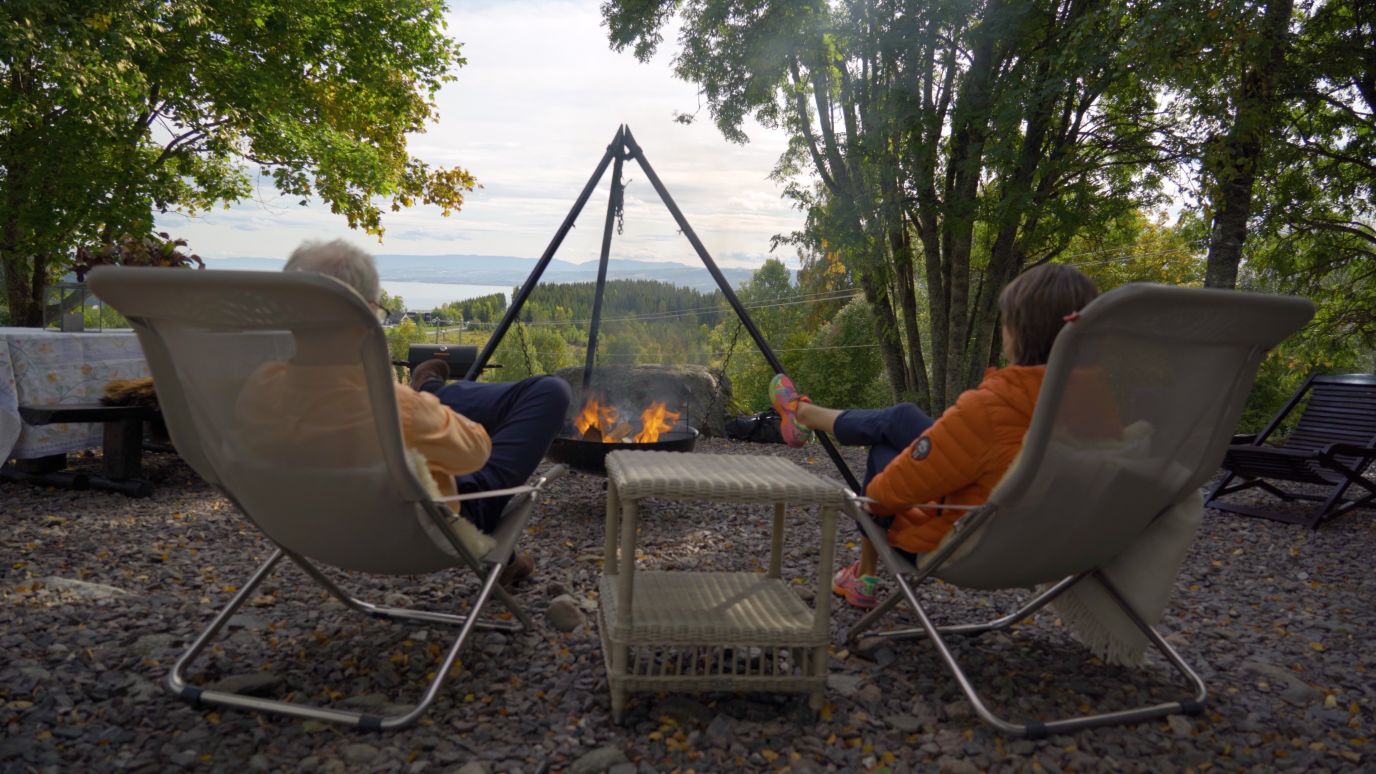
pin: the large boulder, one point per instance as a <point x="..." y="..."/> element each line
<point x="699" y="393"/>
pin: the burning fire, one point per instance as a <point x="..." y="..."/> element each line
<point x="598" y="421"/>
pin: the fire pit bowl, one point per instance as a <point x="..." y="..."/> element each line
<point x="591" y="456"/>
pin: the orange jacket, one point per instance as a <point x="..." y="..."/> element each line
<point x="959" y="459"/>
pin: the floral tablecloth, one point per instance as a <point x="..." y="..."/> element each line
<point x="39" y="368"/>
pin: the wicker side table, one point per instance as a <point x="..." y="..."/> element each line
<point x="712" y="631"/>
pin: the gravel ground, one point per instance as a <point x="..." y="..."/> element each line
<point x="101" y="592"/>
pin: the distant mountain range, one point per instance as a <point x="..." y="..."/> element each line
<point x="509" y="271"/>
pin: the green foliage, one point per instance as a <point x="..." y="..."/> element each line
<point x="771" y="299"/>
<point x="1134" y="248"/>
<point x="937" y="148"/>
<point x="483" y="309"/>
<point x="400" y="337"/>
<point x="102" y="317"/>
<point x="841" y="366"/>
<point x="111" y="112"/>
<point x="389" y="302"/>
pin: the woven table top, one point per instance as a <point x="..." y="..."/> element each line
<point x="736" y="478"/>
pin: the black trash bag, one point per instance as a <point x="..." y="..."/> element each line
<point x="756" y="428"/>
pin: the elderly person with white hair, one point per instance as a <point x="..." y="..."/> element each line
<point x="474" y="436"/>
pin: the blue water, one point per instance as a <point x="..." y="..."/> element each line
<point x="424" y="296"/>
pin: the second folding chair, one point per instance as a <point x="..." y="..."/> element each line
<point x="1138" y="404"/>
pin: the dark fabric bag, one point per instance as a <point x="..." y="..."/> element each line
<point x="756" y="428"/>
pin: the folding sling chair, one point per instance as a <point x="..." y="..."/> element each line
<point x="1138" y="403"/>
<point x="1332" y="445"/>
<point x="278" y="390"/>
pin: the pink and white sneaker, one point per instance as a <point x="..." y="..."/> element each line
<point x="785" y="398"/>
<point x="859" y="590"/>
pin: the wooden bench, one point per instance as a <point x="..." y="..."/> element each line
<point x="122" y="443"/>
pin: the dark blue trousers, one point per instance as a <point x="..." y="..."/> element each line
<point x="887" y="431"/>
<point x="522" y="418"/>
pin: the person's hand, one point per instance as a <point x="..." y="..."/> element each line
<point x="429" y="371"/>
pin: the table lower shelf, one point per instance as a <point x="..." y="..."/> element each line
<point x="708" y="631"/>
<point x="710" y="608"/>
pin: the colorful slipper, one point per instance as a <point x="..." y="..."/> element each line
<point x="785" y="398"/>
<point x="858" y="590"/>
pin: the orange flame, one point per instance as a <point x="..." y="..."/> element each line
<point x="597" y="421"/>
<point x="595" y="415"/>
<point x="653" y="422"/>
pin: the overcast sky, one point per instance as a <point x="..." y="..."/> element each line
<point x="530" y="116"/>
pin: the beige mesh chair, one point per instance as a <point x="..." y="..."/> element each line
<point x="1139" y="402"/>
<point x="278" y="390"/>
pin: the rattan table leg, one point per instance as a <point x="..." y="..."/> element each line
<point x="776" y="546"/>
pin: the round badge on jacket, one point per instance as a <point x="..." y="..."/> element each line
<point x="922" y="448"/>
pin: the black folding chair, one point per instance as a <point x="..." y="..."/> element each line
<point x="1332" y="445"/>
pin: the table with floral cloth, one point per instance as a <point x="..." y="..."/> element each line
<point x="42" y="367"/>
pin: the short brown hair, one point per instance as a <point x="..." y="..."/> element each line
<point x="1035" y="304"/>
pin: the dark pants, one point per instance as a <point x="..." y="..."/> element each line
<point x="887" y="431"/>
<point x="522" y="418"/>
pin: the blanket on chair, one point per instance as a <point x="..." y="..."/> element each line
<point x="1144" y="574"/>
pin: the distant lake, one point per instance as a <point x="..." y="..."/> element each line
<point x="424" y="296"/>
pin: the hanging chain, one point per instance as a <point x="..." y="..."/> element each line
<point x="726" y="361"/>
<point x="525" y="347"/>
<point x="619" y="206"/>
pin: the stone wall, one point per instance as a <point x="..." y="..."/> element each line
<point x="700" y="393"/>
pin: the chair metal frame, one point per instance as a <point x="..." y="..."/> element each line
<point x="1337" y="465"/>
<point x="514" y="517"/>
<point x="964" y="529"/>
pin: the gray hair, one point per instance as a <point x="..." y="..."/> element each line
<point x="340" y="260"/>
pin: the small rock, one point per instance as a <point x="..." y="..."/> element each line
<point x="684" y="710"/>
<point x="959" y="710"/>
<point x="1301" y="694"/>
<point x="252" y="684"/>
<point x="359" y="753"/>
<point x="150" y="645"/>
<point x="843" y="684"/>
<point x="949" y="765"/>
<point x="870" y="694"/>
<point x="599" y="760"/>
<point x="906" y="724"/>
<point x="623" y="768"/>
<point x="1180" y="725"/>
<point x="722" y="730"/>
<point x="245" y="621"/>
<point x="473" y="767"/>
<point x="564" y="614"/>
<point x="84" y="589"/>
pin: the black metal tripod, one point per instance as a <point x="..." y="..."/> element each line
<point x="623" y="147"/>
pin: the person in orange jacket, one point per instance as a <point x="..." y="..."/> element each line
<point x="960" y="457"/>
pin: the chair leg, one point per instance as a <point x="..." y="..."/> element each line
<point x="176" y="681"/>
<point x="1003" y="622"/>
<point x="1218" y="488"/>
<point x="868" y="620"/>
<point x="401" y="613"/>
<point x="1038" y="730"/>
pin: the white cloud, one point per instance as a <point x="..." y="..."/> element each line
<point x="531" y="115"/>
